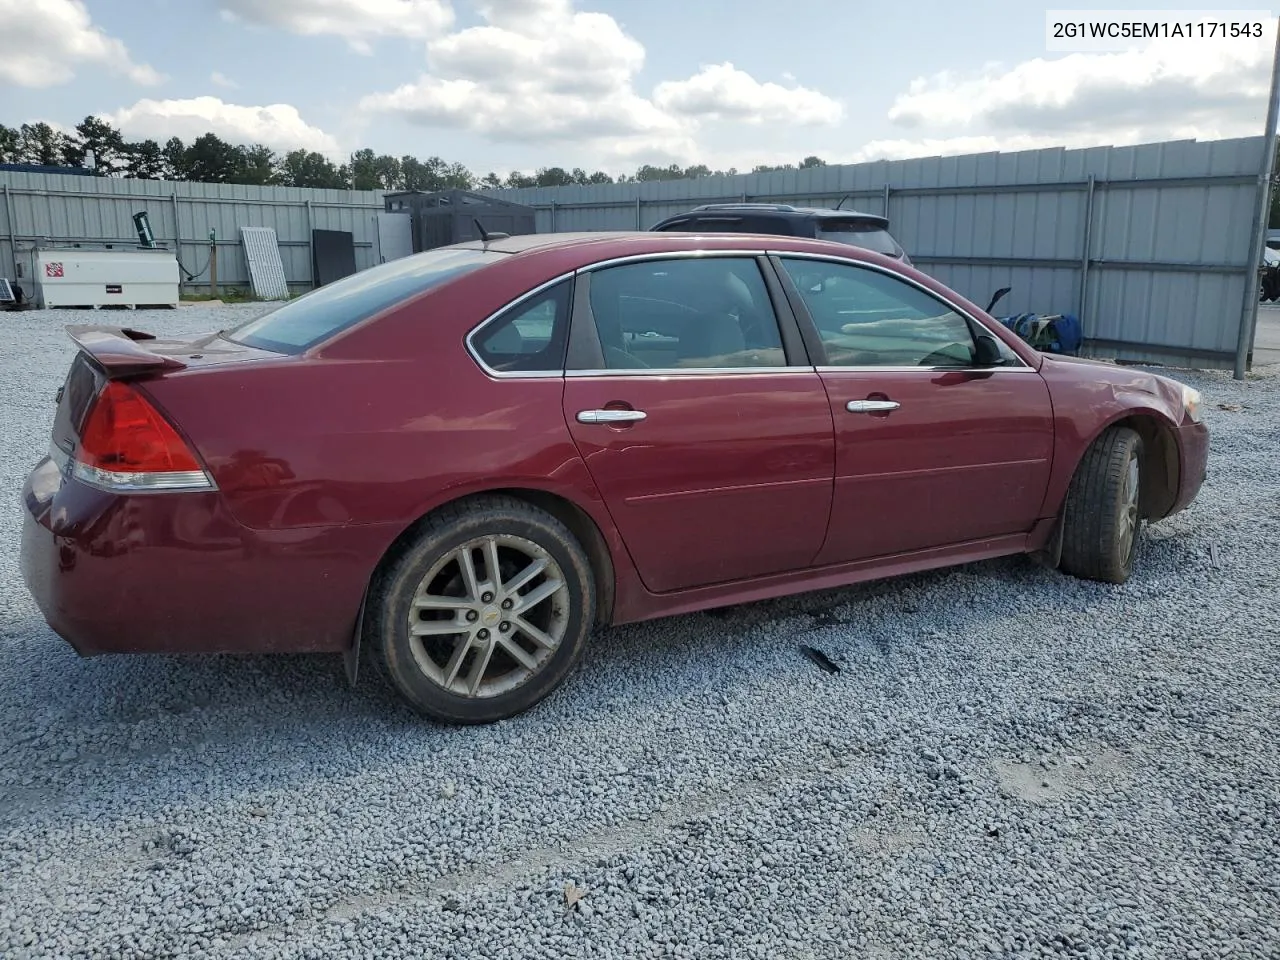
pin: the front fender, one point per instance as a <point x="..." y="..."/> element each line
<point x="1088" y="398"/>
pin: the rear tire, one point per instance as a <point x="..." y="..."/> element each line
<point x="1102" y="522"/>
<point x="482" y="644"/>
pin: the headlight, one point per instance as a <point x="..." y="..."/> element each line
<point x="1191" y="402"/>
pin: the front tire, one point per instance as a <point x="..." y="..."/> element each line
<point x="1102" y="523"/>
<point x="485" y="613"/>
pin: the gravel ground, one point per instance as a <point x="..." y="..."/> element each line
<point x="1010" y="762"/>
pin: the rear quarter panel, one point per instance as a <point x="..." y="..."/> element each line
<point x="383" y="424"/>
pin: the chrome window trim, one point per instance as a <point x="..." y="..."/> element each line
<point x="691" y="371"/>
<point x="888" y="369"/>
<point x="832" y="258"/>
<point x="479" y="328"/>
<point x="753" y="254"/>
<point x="1022" y="366"/>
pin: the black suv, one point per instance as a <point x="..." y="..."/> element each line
<point x="866" y="230"/>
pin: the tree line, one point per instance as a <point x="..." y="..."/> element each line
<point x="210" y="159"/>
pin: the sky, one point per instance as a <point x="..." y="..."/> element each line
<point x="609" y="84"/>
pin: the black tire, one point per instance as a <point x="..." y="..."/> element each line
<point x="1094" y="544"/>
<point x="387" y="636"/>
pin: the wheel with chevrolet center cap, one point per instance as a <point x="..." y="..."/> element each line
<point x="485" y="613"/>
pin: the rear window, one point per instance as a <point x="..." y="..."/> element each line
<point x="321" y="314"/>
<point x="859" y="233"/>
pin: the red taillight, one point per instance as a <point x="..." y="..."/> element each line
<point x="127" y="444"/>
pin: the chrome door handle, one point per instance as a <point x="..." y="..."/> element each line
<point x="610" y="416"/>
<point x="871" y="406"/>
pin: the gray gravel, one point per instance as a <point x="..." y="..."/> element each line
<point x="1009" y="763"/>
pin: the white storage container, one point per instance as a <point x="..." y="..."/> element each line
<point x="72" y="277"/>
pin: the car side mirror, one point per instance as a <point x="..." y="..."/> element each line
<point x="986" y="351"/>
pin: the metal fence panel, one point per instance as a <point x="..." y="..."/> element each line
<point x="56" y="208"/>
<point x="1149" y="244"/>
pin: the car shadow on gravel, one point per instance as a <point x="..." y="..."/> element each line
<point x="155" y="703"/>
<point x="130" y="689"/>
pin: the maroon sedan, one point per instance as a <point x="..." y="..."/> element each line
<point x="465" y="460"/>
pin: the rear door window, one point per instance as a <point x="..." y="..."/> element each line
<point x="322" y="314"/>
<point x="687" y="313"/>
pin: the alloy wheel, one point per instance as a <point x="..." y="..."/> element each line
<point x="488" y="615"/>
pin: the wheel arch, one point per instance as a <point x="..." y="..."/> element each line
<point x="1161" y="463"/>
<point x="580" y="523"/>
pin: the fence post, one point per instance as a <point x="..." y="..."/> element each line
<point x="1261" y="211"/>
<point x="638" y="227"/>
<point x="553" y="217"/>
<point x="13" y="242"/>
<point x="311" y="253"/>
<point x="887" y="191"/>
<point x="213" y="264"/>
<point x="1082" y="307"/>
<point x="177" y="241"/>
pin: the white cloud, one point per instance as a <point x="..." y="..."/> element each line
<point x="543" y="72"/>
<point x="723" y="92"/>
<point x="1159" y="92"/>
<point x="357" y="21"/>
<point x="44" y="40"/>
<point x="279" y="125"/>
<point x="537" y="72"/>
<point x="219" y="79"/>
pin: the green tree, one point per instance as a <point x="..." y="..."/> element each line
<point x="103" y="140"/>
<point x="809" y="162"/>
<point x="457" y="176"/>
<point x="255" y="165"/>
<point x="552" y="177"/>
<point x="210" y="159"/>
<point x="414" y="174"/>
<point x="10" y="144"/>
<point x="302" y="168"/>
<point x="581" y="176"/>
<point x="40" y="143"/>
<point x="370" y="171"/>
<point x="362" y="165"/>
<point x="515" y="180"/>
<point x="649" y="173"/>
<point x="146" y="161"/>
<point x="175" y="158"/>
<point x="491" y="181"/>
<point x="435" y="174"/>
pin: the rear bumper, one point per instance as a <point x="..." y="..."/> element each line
<point x="176" y="573"/>
<point x="1193" y="447"/>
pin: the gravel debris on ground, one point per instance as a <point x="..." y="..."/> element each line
<point x="1008" y="763"/>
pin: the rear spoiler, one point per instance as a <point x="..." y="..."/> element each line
<point x="117" y="351"/>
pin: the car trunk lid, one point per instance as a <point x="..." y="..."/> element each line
<point x="116" y="353"/>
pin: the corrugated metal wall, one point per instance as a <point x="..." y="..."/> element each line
<point x="1147" y="244"/>
<point x="49" y="208"/>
